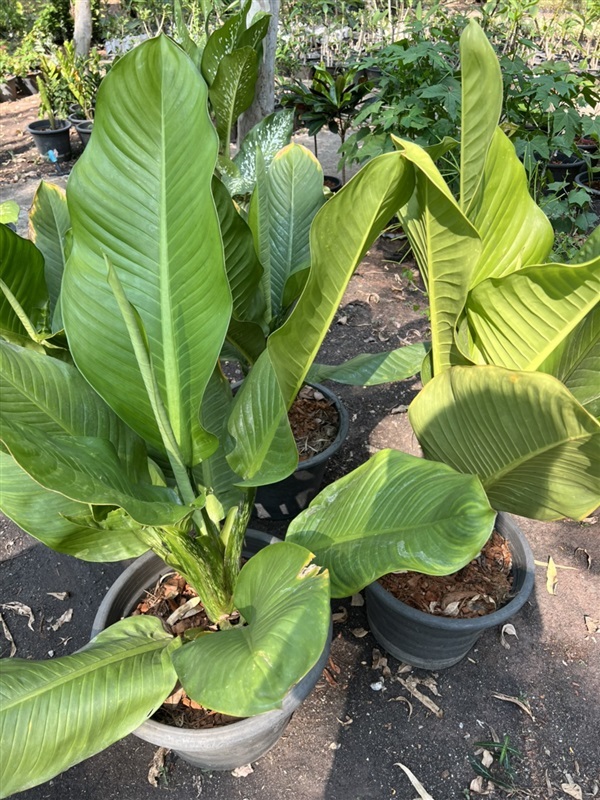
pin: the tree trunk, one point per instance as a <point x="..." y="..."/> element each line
<point x="264" y="98"/>
<point x="82" y="34"/>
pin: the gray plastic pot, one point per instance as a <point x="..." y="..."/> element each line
<point x="287" y="498"/>
<point x="84" y="129"/>
<point x="222" y="748"/>
<point x="433" y="642"/>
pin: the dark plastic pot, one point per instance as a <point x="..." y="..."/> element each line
<point x="29" y="83"/>
<point x="287" y="498"/>
<point x="333" y="184"/>
<point x="222" y="748"/>
<point x="8" y="89"/>
<point x="432" y="642"/>
<point x="47" y="139"/>
<point x="84" y="129"/>
<point x="564" y="167"/>
<point x="593" y="185"/>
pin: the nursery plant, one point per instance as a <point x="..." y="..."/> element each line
<point x="511" y="392"/>
<point x="130" y="439"/>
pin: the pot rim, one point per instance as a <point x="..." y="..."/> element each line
<point x="507" y="528"/>
<point x="33" y="127"/>
<point x="344" y="424"/>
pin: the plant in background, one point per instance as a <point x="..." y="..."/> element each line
<point x="331" y="101"/>
<point x="81" y="75"/>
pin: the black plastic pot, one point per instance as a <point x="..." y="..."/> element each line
<point x="333" y="184"/>
<point x="432" y="642"/>
<point x="8" y="89"/>
<point x="222" y="748"/>
<point x="287" y="498"/>
<point x="47" y="139"/>
<point x="84" y="129"/>
<point x="591" y="182"/>
<point x="564" y="167"/>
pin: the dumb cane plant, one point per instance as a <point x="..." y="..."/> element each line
<point x="507" y="416"/>
<point x="125" y="436"/>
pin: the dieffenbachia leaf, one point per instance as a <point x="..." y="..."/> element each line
<point x="269" y="136"/>
<point x="48" y="224"/>
<point x="88" y="700"/>
<point x="284" y="601"/>
<point x="536" y="450"/>
<point x="396" y="512"/>
<point x="293" y="186"/>
<point x="261" y="447"/>
<point x="63" y="524"/>
<point x="232" y="90"/>
<point x="518" y="321"/>
<point x="372" y="369"/>
<point x="244" y="270"/>
<point x="514" y="230"/>
<point x="9" y="212"/>
<point x="22" y="270"/>
<point x="147" y="207"/>
<point x="576" y="362"/>
<point x="480" y="108"/>
<point x="446" y="247"/>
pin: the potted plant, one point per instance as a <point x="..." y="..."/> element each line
<point x="134" y="440"/>
<point x="510" y="395"/>
<point x="331" y="101"/>
<point x="51" y="131"/>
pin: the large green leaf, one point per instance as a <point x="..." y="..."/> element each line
<point x="536" y="450"/>
<point x="143" y="199"/>
<point x="244" y="270"/>
<point x="43" y="514"/>
<point x="50" y="396"/>
<point x="9" y="212"/>
<point x="48" y="223"/>
<point x="341" y="233"/>
<point x="54" y="714"/>
<point x="396" y="512"/>
<point x="481" y="84"/>
<point x="22" y="270"/>
<point x="284" y="600"/>
<point x="446" y="247"/>
<point x="514" y="231"/>
<point x="590" y="249"/>
<point x="294" y="189"/>
<point x="87" y="469"/>
<point x="232" y="90"/>
<point x="576" y="362"/>
<point x="372" y="369"/>
<point x="518" y="321"/>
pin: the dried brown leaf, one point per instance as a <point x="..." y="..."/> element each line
<point x="410" y="684"/>
<point x="182" y="611"/>
<point x="404" y="700"/>
<point x="357" y="600"/>
<point x="157" y="766"/>
<point x="360" y="633"/>
<point x="422" y="791"/>
<point x="572" y="790"/>
<point x="59" y="595"/>
<point x="243" y="771"/>
<point x="514" y="700"/>
<point x="340" y="616"/>
<point x="507" y="630"/>
<point x="63" y="619"/>
<point x="593" y="625"/>
<point x="22" y="610"/>
<point x="8" y="637"/>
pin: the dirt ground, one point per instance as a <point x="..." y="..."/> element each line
<point x="348" y="739"/>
